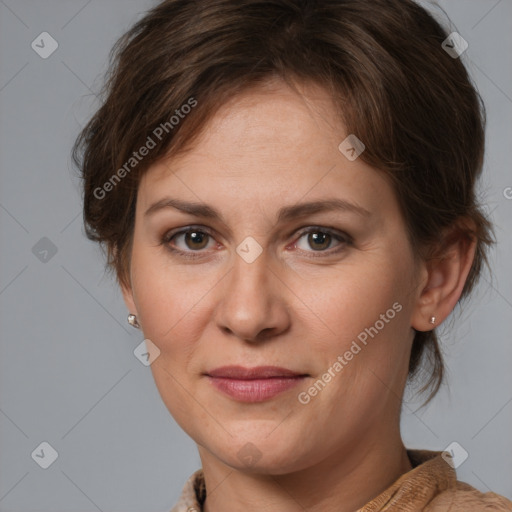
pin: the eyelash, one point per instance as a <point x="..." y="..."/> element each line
<point x="343" y="238"/>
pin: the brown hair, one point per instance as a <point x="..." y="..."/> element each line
<point x="408" y="100"/>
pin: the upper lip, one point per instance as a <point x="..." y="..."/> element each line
<point x="258" y="372"/>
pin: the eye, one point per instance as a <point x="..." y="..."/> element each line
<point x="191" y="239"/>
<point x="320" y="239"/>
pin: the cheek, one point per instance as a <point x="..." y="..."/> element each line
<point x="353" y="298"/>
<point x="365" y="311"/>
<point x="336" y="304"/>
<point x="167" y="296"/>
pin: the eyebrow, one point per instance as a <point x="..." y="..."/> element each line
<point x="285" y="214"/>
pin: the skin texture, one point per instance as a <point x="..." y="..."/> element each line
<point x="299" y="305"/>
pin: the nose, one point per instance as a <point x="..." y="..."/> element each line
<point x="254" y="301"/>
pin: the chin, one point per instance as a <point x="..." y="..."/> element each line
<point x="264" y="456"/>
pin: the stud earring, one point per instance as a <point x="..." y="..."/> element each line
<point x="132" y="320"/>
<point x="433" y="320"/>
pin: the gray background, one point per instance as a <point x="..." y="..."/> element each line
<point x="68" y="375"/>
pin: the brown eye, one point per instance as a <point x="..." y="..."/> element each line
<point x="319" y="240"/>
<point x="196" y="239"/>
<point x="187" y="240"/>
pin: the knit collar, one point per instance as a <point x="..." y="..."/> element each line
<point x="430" y="476"/>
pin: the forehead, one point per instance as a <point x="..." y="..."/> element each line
<point x="265" y="118"/>
<point x="274" y="144"/>
<point x="276" y="116"/>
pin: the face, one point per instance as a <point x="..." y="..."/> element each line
<point x="258" y="278"/>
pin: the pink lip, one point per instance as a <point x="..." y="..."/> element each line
<point x="253" y="384"/>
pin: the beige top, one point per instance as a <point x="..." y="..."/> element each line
<point x="431" y="486"/>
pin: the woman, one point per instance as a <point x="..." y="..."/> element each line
<point x="322" y="157"/>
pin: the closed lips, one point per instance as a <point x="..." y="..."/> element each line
<point x="259" y="372"/>
<point x="251" y="385"/>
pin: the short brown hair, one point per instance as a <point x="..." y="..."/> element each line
<point x="408" y="100"/>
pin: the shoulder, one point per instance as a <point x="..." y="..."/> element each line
<point x="465" y="498"/>
<point x="192" y="495"/>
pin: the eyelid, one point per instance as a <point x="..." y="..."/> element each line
<point x="324" y="229"/>
<point x="169" y="235"/>
<point x="341" y="236"/>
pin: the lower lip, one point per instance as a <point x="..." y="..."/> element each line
<point x="254" y="390"/>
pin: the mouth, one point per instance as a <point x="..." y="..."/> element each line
<point x="254" y="384"/>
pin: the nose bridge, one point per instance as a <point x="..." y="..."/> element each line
<point x="250" y="303"/>
<point x="249" y="277"/>
<point x="250" y="264"/>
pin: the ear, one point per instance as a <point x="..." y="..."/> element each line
<point x="447" y="270"/>
<point x="126" y="290"/>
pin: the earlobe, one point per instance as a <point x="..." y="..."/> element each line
<point x="125" y="284"/>
<point x="130" y="304"/>
<point x="447" y="273"/>
<point x="128" y="298"/>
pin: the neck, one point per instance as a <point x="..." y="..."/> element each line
<point x="343" y="482"/>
